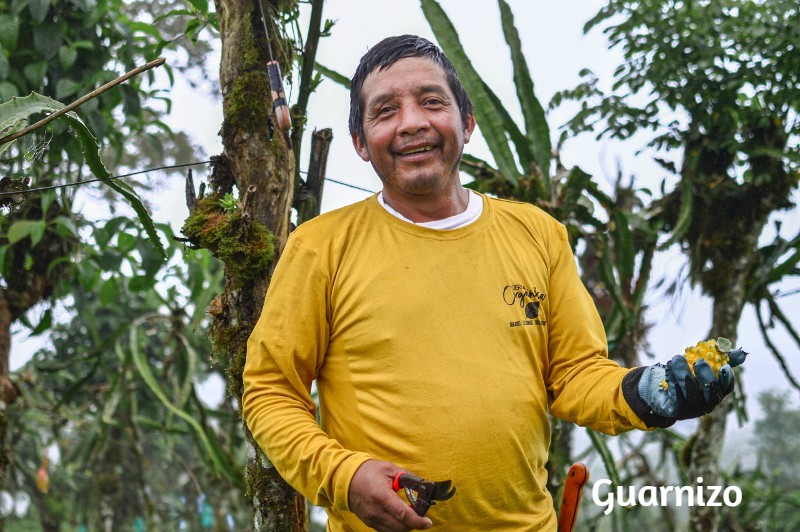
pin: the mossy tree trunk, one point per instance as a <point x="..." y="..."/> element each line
<point x="725" y="256"/>
<point x="259" y="160"/>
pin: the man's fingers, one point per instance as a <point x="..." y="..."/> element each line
<point x="406" y="515"/>
<point x="374" y="501"/>
<point x="705" y="376"/>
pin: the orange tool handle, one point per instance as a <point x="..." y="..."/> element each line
<point x="577" y="477"/>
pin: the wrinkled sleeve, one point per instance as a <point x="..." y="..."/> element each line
<point x="284" y="353"/>
<point x="584" y="386"/>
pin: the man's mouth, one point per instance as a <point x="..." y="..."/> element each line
<point x="419" y="149"/>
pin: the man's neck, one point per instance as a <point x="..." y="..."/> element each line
<point x="420" y="209"/>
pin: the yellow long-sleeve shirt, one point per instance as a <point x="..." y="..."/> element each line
<point x="439" y="351"/>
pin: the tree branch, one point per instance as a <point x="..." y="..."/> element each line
<point x="80" y="101"/>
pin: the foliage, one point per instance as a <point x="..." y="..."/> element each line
<point x="695" y="78"/>
<point x="731" y="68"/>
<point x="92" y="395"/>
<point x="771" y="489"/>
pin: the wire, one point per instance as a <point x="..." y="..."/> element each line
<point x="76" y="183"/>
<point x="349" y="185"/>
<point x="64" y="185"/>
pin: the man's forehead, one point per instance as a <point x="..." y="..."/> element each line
<point x="421" y="73"/>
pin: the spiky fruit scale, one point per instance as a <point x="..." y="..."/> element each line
<point x="715" y="352"/>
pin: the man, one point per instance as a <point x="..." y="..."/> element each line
<point x="440" y="325"/>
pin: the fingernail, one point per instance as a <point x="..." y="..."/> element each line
<point x="430" y="524"/>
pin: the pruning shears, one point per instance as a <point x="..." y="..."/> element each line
<point x="422" y="493"/>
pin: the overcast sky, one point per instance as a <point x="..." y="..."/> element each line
<point x="556" y="50"/>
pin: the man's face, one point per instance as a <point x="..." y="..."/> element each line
<point x="413" y="133"/>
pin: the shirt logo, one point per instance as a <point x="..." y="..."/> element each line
<point x="528" y="300"/>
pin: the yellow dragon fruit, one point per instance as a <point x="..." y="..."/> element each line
<point x="715" y="352"/>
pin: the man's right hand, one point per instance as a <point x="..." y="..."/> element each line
<point x="374" y="501"/>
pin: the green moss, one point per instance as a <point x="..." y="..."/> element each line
<point x="246" y="247"/>
<point x="249" y="103"/>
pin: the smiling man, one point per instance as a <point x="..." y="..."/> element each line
<point x="440" y="326"/>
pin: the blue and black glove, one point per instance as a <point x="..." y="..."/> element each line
<point x="688" y="386"/>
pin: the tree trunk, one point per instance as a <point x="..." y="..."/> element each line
<point x="707" y="442"/>
<point x="257" y="156"/>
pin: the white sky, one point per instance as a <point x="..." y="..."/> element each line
<point x="556" y="50"/>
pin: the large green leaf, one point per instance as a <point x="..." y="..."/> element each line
<point x="516" y="135"/>
<point x="331" y="74"/>
<point x="211" y="447"/>
<point x="18" y="109"/>
<point x="684" y="216"/>
<point x="536" y="128"/>
<point x="599" y="443"/>
<point x="486" y="113"/>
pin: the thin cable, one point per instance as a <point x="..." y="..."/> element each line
<point x="266" y="31"/>
<point x="349" y="185"/>
<point x="64" y="185"/>
<point x="76" y="183"/>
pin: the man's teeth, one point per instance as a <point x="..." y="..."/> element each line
<point x="416" y="150"/>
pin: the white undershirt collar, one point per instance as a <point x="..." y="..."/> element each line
<point x="472" y="213"/>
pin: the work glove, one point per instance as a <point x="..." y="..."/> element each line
<point x="688" y="386"/>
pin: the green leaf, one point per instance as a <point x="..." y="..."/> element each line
<point x="623" y="248"/>
<point x="3" y="64"/>
<point x="20" y="108"/>
<point x="66" y="87"/>
<point x="125" y="242"/>
<point x="200" y="5"/>
<point x="684" y="216"/>
<point x="45" y="323"/>
<point x="221" y="464"/>
<point x="519" y="139"/>
<point x="89" y="275"/>
<point x="47" y="40"/>
<point x="37" y="232"/>
<point x="65" y="227"/>
<point x="35" y="72"/>
<point x="21" y="229"/>
<point x="9" y="31"/>
<point x="67" y="56"/>
<point x="10" y="131"/>
<point x="599" y="443"/>
<point x="38" y="9"/>
<point x="91" y="152"/>
<point x="109" y="291"/>
<point x="486" y="114"/>
<point x="140" y="283"/>
<point x="103" y="235"/>
<point x="331" y="74"/>
<point x="536" y="128"/>
<point x="7" y="91"/>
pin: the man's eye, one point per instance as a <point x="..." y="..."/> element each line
<point x="433" y="101"/>
<point x="383" y="111"/>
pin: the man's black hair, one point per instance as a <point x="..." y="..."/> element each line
<point x="386" y="53"/>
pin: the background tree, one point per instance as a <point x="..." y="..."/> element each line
<point x="257" y="166"/>
<point x="63" y="50"/>
<point x="730" y="68"/>
<point x="115" y="395"/>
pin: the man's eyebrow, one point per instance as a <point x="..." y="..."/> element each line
<point x="434" y="87"/>
<point x="380" y="98"/>
<point x="422" y="89"/>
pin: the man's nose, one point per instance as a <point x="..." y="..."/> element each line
<point x="413" y="119"/>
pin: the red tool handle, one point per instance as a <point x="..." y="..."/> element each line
<point x="282" y="116"/>
<point x="396" y="482"/>
<point x="577" y="477"/>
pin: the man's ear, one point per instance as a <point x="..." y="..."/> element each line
<point x="469" y="127"/>
<point x="360" y="146"/>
